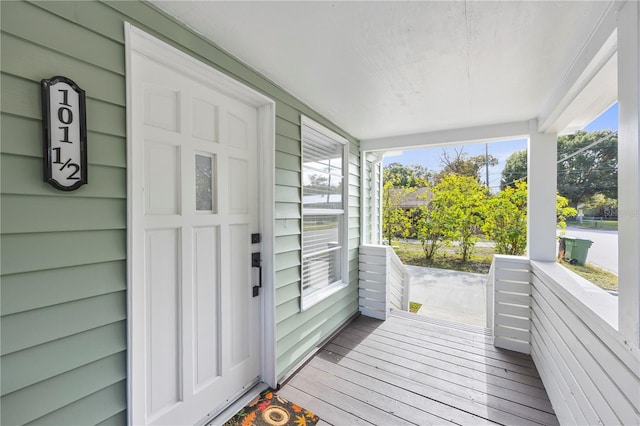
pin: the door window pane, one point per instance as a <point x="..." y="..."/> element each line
<point x="204" y="183"/>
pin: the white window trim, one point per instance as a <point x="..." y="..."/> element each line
<point x="309" y="301"/>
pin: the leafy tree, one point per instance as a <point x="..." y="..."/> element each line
<point x="407" y="176"/>
<point x="601" y="204"/>
<point x="592" y="171"/>
<point x="421" y="175"/>
<point x="506" y="221"/>
<point x="461" y="164"/>
<point x="395" y="219"/>
<point x="515" y="169"/>
<point x="399" y="182"/>
<point x="457" y="207"/>
<point x="585" y="166"/>
<point x="563" y="211"/>
<point x="506" y="218"/>
<point x="433" y="229"/>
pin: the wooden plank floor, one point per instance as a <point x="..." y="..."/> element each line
<point x="413" y="370"/>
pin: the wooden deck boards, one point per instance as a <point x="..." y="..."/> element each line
<point x="408" y="370"/>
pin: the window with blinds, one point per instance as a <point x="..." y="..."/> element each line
<point x="324" y="166"/>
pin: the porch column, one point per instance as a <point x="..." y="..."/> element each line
<point x="541" y="179"/>
<point x="628" y="177"/>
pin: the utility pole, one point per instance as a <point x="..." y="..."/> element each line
<point x="486" y="163"/>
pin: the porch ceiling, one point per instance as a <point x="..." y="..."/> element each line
<point x="380" y="69"/>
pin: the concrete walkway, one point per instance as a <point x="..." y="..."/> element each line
<point x="449" y="295"/>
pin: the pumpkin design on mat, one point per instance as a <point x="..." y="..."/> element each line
<point x="270" y="409"/>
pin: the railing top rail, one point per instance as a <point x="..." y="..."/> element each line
<point x="395" y="259"/>
<point x="595" y="305"/>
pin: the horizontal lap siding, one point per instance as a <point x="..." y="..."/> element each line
<point x="590" y="379"/>
<point x="64" y="254"/>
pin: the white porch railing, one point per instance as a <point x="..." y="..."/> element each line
<point x="509" y="303"/>
<point x="591" y="373"/>
<point x="384" y="281"/>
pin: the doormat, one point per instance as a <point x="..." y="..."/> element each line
<point x="269" y="409"/>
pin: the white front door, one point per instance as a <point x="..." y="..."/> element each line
<point x="196" y="332"/>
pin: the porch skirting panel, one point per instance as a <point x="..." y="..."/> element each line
<point x="509" y="300"/>
<point x="384" y="282"/>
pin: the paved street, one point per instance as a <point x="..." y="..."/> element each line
<point x="604" y="250"/>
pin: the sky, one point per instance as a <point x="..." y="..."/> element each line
<point x="430" y="158"/>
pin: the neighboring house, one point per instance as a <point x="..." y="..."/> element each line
<point x="417" y="198"/>
<point x="140" y="297"/>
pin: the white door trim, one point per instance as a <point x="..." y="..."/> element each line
<point x="139" y="42"/>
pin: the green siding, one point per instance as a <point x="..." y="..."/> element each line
<point x="37" y="251"/>
<point x="63" y="263"/>
<point x="23" y="368"/>
<point x="287" y="145"/>
<point x="33" y="290"/>
<point x="97" y="408"/>
<point x="33" y="402"/>
<point x="23" y="175"/>
<point x="287" y="227"/>
<point x="27" y="329"/>
<point x="103" y="149"/>
<point x="21" y="214"/>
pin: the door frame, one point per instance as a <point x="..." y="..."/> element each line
<point x="138" y="42"/>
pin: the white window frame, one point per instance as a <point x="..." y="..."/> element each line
<point x="307" y="301"/>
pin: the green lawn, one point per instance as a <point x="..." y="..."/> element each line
<point x="480" y="262"/>
<point x="598" y="276"/>
<point x="447" y="258"/>
<point x="414" y="307"/>
<point x="610" y="225"/>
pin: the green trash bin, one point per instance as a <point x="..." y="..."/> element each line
<point x="576" y="250"/>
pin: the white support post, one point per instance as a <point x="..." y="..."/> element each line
<point x="375" y="207"/>
<point x="369" y="211"/>
<point x="628" y="176"/>
<point x="378" y="201"/>
<point x="542" y="166"/>
<point x="364" y="224"/>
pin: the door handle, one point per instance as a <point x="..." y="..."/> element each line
<point x="256" y="262"/>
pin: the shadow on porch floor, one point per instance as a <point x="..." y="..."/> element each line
<point x="415" y="370"/>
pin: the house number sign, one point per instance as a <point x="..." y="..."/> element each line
<point x="65" y="133"/>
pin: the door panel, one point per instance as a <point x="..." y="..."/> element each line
<point x="206" y="298"/>
<point x="162" y="178"/>
<point x="239" y="174"/>
<point x="161" y="108"/>
<point x="240" y="318"/>
<point x="205" y="120"/>
<point x="196" y="182"/>
<point x="163" y="337"/>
